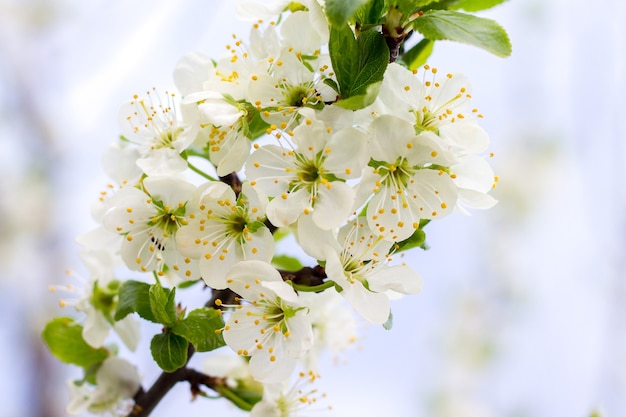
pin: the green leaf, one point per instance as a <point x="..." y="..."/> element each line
<point x="343" y="49"/>
<point x="188" y="284"/>
<point x="460" y="27"/>
<point x="65" y="340"/>
<point x="372" y="61"/>
<point x="163" y="305"/>
<point x="134" y="298"/>
<point x="287" y="263"/>
<point x="340" y="11"/>
<point x="409" y="6"/>
<point x="416" y="240"/>
<point x="199" y="328"/>
<point x="332" y="84"/>
<point x="256" y="125"/>
<point x="476" y="5"/>
<point x="370" y="13"/>
<point x="361" y="101"/>
<point x="358" y="63"/>
<point x="169" y="351"/>
<point x="418" y="54"/>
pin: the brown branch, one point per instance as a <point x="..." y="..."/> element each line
<point x="306" y="276"/>
<point x="146" y="401"/>
<point x="233" y="180"/>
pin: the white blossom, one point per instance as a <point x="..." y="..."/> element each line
<point x="357" y="261"/>
<point x="225" y="230"/>
<point x="154" y="126"/>
<point x="406" y="179"/>
<point x="308" y="176"/>
<point x="97" y="298"/>
<point x="149" y="219"/>
<point x="271" y="326"/>
<point x="291" y="400"/>
<point x="117" y="381"/>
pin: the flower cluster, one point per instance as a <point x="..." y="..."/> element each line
<point x="262" y="144"/>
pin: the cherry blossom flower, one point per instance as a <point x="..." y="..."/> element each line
<point x="406" y="179"/>
<point x="310" y="177"/>
<point x="271" y="326"/>
<point x="117" y="381"/>
<point x="357" y="261"/>
<point x="154" y="126"/>
<point x="149" y="219"/>
<point x="97" y="298"/>
<point x="290" y="400"/>
<point x="443" y="107"/>
<point x="227" y="229"/>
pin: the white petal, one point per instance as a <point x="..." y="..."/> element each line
<point x="164" y="162"/>
<point x="313" y="240"/>
<point x="474" y="173"/>
<point x="476" y="200"/>
<point x="347" y="153"/>
<point x="282" y="290"/>
<point x="333" y="205"/>
<point x="129" y="331"/>
<point x="255" y="10"/>
<point x="390" y="137"/>
<point x="372" y="306"/>
<point x="96" y="328"/>
<point x="171" y="191"/>
<point x="120" y="375"/>
<point x="398" y="278"/>
<point x="191" y="71"/>
<point x="267" y="169"/>
<point x="467" y="137"/>
<point x="286" y="208"/>
<point x="267" y="371"/>
<point x="232" y="155"/>
<point x="244" y="274"/>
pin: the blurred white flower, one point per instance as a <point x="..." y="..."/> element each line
<point x="117" y="381"/>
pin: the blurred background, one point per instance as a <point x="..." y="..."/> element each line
<point x="523" y="311"/>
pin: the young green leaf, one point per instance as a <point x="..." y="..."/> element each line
<point x="361" y="101"/>
<point x="199" y="328"/>
<point x="286" y="262"/>
<point x="169" y="351"/>
<point x="416" y="240"/>
<point x="64" y="338"/>
<point x="372" y="62"/>
<point x="359" y="64"/>
<point x="163" y="305"/>
<point x="134" y="298"/>
<point x="409" y="6"/>
<point x="370" y="13"/>
<point x="340" y="11"/>
<point x="343" y="49"/>
<point x="476" y="5"/>
<point x="461" y="27"/>
<point x="418" y="54"/>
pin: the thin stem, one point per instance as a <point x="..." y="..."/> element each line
<point x="200" y="172"/>
<point x="316" y="288"/>
<point x="192" y="152"/>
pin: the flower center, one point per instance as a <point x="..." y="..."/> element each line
<point x="299" y="95"/>
<point x="396" y="175"/>
<point x="167" y="138"/>
<point x="167" y="218"/>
